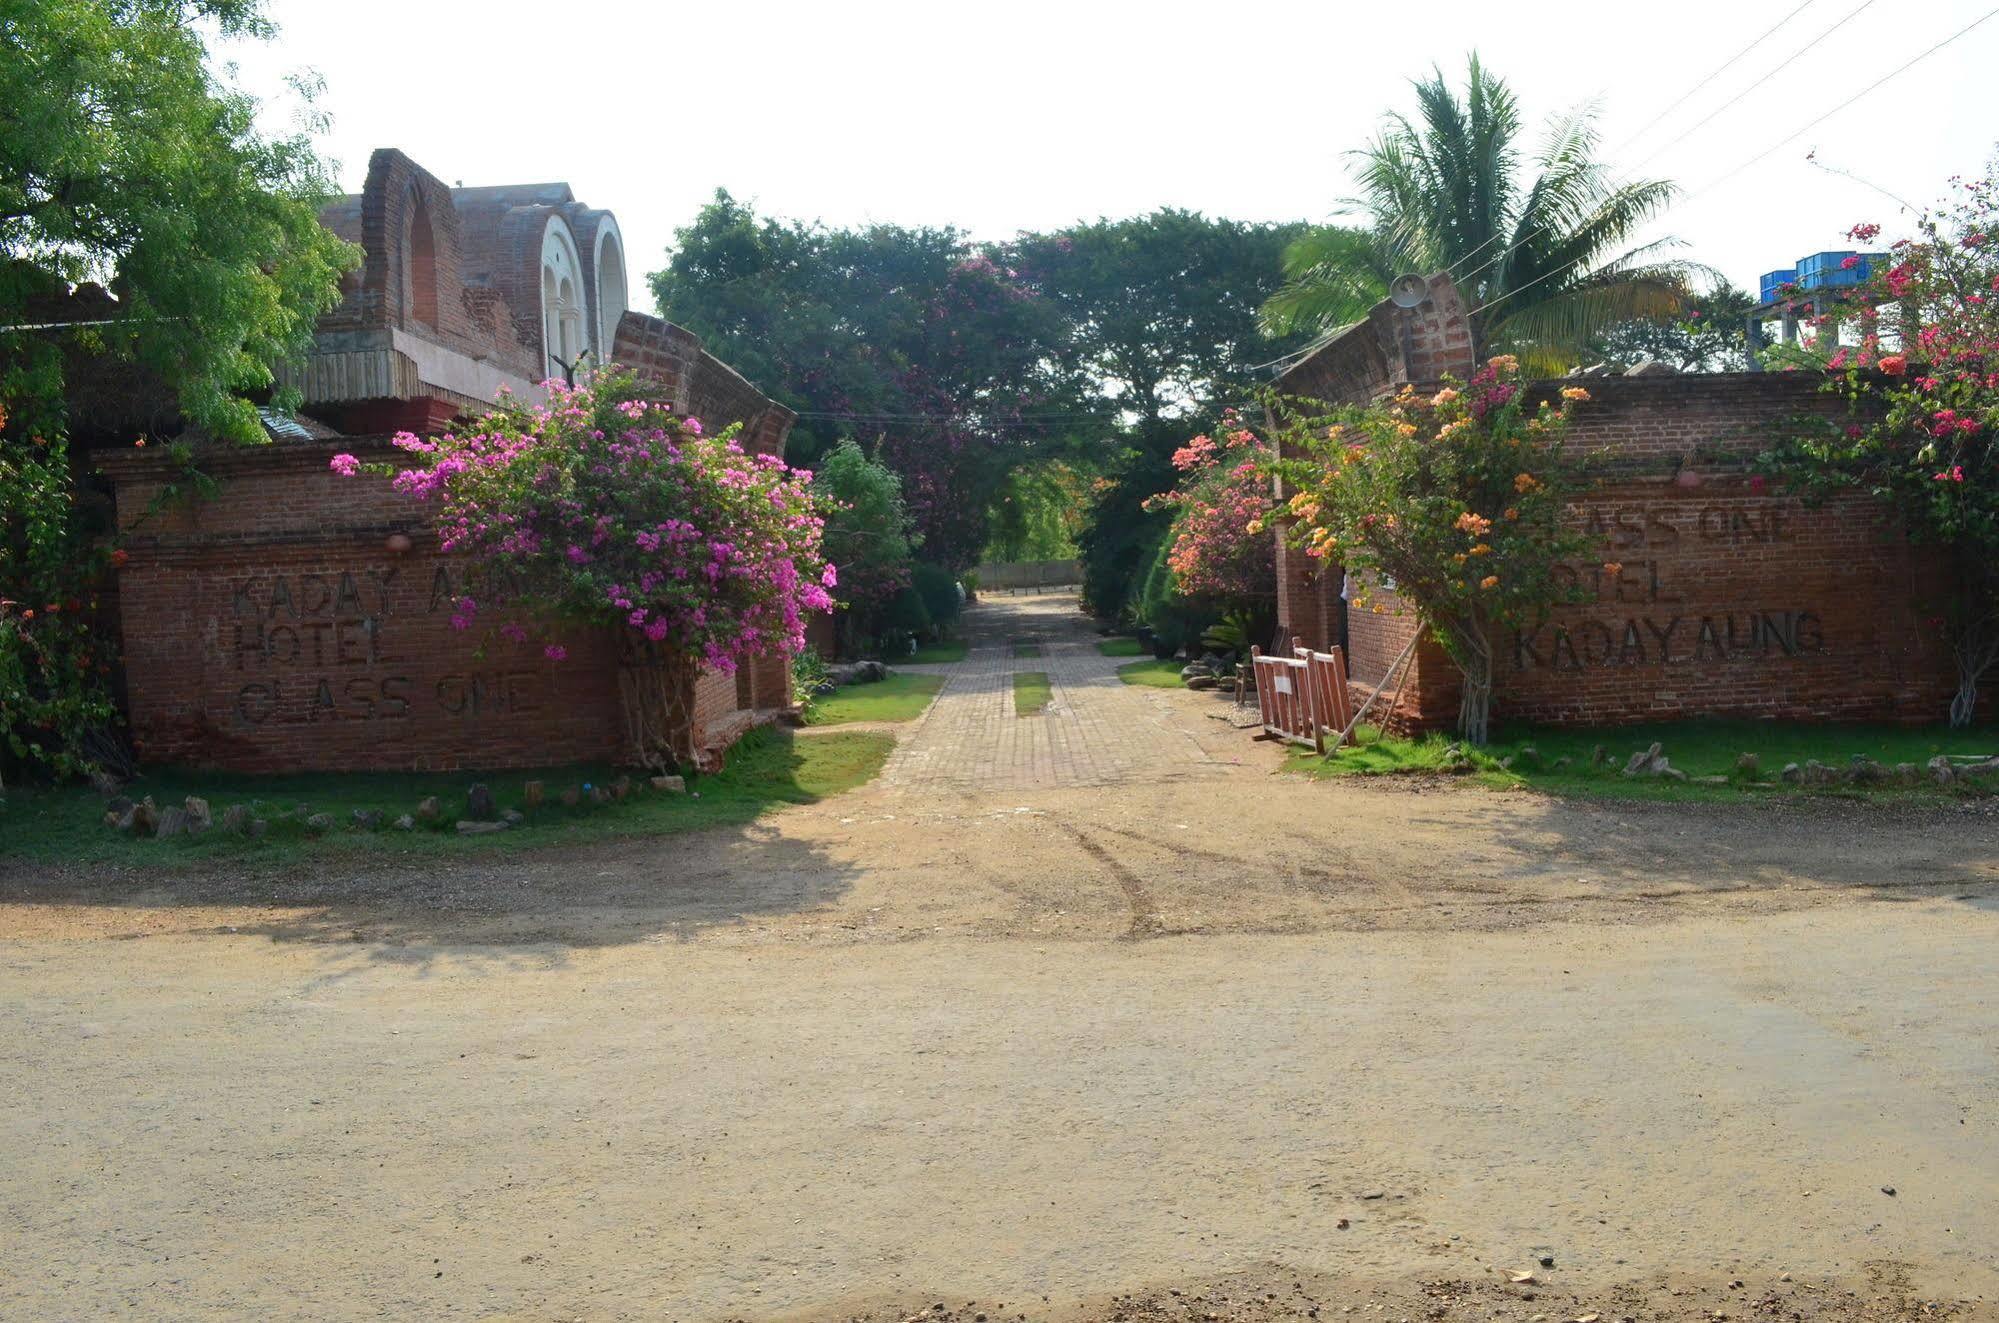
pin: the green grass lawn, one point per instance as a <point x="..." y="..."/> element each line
<point x="952" y="651"/>
<point x="766" y="769"/>
<point x="1153" y="673"/>
<point x="1698" y="748"/>
<point x="901" y="697"/>
<point x="1031" y="693"/>
<point x="1121" y="648"/>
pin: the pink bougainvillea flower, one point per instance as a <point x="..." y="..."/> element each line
<point x="555" y="652"/>
<point x="345" y="465"/>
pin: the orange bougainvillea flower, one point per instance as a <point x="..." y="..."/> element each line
<point x="1575" y="393"/>
<point x="1612" y="567"/>
<point x="1489" y="582"/>
<point x="1525" y="482"/>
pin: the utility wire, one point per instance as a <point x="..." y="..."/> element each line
<point x="1725" y="67"/>
<point x="1776" y="147"/>
<point x="1794" y="55"/>
<point x="1322" y="341"/>
<point x="1697" y="125"/>
<point x="1694" y="128"/>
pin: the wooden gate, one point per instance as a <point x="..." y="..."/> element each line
<point x="1302" y="697"/>
<point x="1326" y="684"/>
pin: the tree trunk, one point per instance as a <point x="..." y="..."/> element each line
<point x="1965" y="702"/>
<point x="656" y="691"/>
<point x="1974" y="640"/>
<point x="1475" y="697"/>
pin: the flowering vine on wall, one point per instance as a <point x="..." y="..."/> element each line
<point x="612" y="513"/>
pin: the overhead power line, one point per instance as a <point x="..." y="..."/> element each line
<point x="1777" y="146"/>
<point x="1685" y="97"/>
<point x="1726" y="65"/>
<point x="1694" y="128"/>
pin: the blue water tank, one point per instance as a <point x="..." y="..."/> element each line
<point x="1772" y="280"/>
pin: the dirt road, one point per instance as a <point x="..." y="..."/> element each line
<point x="1231" y="1045"/>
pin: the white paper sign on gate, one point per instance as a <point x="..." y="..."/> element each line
<point x="1282" y="685"/>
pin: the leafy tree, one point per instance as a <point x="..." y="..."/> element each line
<point x="1158" y="312"/>
<point x="1922" y="412"/>
<point x="913" y="340"/>
<point x="867" y="535"/>
<point x="1159" y="322"/>
<point x="1709" y="336"/>
<point x="1543" y="254"/>
<point x="124" y="163"/>
<point x="1458" y="499"/>
<point x="1038" y="513"/>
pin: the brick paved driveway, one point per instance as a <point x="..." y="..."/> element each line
<point x="1096" y="731"/>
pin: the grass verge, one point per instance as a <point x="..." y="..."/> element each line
<point x="1121" y="648"/>
<point x="1152" y="673"/>
<point x="766" y="769"/>
<point x="900" y="697"/>
<point x="952" y="651"/>
<point x="1700" y="749"/>
<point x="1031" y="693"/>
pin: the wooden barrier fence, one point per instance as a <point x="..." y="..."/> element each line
<point x="1303" y="697"/>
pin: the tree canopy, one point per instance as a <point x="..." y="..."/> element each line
<point x="913" y="341"/>
<point x="961" y="364"/>
<point x="124" y="162"/>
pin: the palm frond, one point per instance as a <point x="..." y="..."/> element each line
<point x="1549" y="333"/>
<point x="1333" y="275"/>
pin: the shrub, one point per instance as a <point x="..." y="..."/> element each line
<point x="868" y="535"/>
<point x="938" y="590"/>
<point x="606" y="511"/>
<point x="1458" y="498"/>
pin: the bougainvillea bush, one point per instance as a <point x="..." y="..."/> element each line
<point x="1224" y="488"/>
<point x="1457" y="499"/>
<point x="1915" y="352"/>
<point x="608" y="511"/>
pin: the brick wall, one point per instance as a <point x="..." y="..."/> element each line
<point x="1730" y="601"/>
<point x="272" y="628"/>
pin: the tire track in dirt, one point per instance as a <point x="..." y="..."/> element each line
<point x="1144" y="914"/>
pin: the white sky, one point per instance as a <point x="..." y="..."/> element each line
<point x="1029" y="115"/>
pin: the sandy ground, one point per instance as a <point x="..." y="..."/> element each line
<point x="1237" y="1047"/>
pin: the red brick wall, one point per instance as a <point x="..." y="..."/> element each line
<point x="270" y="628"/>
<point x="1730" y="601"/>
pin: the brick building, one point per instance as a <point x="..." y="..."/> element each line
<point x="1732" y="601"/>
<point x="299" y="620"/>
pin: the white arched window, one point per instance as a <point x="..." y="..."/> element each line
<point x="612" y="299"/>
<point x="562" y="326"/>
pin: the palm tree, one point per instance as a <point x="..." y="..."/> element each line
<point x="1545" y="258"/>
